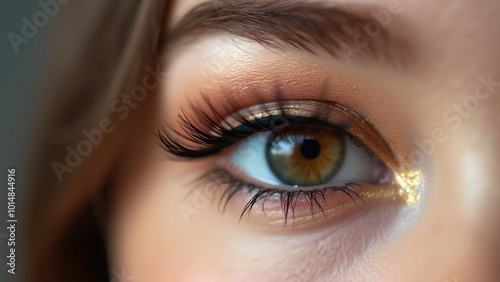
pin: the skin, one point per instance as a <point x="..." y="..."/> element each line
<point x="450" y="234"/>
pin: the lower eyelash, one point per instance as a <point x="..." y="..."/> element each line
<point x="288" y="199"/>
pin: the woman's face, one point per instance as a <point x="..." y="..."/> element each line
<point x="319" y="141"/>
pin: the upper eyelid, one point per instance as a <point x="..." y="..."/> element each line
<point x="346" y="119"/>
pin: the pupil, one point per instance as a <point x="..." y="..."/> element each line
<point x="310" y="149"/>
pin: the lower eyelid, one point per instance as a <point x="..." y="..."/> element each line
<point x="329" y="113"/>
<point x="333" y="203"/>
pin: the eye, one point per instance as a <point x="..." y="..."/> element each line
<point x="304" y="156"/>
<point x="290" y="158"/>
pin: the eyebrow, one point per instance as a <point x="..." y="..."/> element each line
<point x="301" y="25"/>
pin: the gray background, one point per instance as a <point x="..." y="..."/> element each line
<point x="19" y="80"/>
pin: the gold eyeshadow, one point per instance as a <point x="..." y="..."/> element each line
<point x="330" y="112"/>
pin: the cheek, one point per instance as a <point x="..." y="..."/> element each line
<point x="159" y="234"/>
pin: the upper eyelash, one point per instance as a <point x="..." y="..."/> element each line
<point x="222" y="134"/>
<point x="288" y="199"/>
<point x="212" y="143"/>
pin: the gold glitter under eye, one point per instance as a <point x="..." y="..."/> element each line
<point x="305" y="157"/>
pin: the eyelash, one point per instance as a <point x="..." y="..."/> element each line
<point x="288" y="199"/>
<point x="223" y="135"/>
